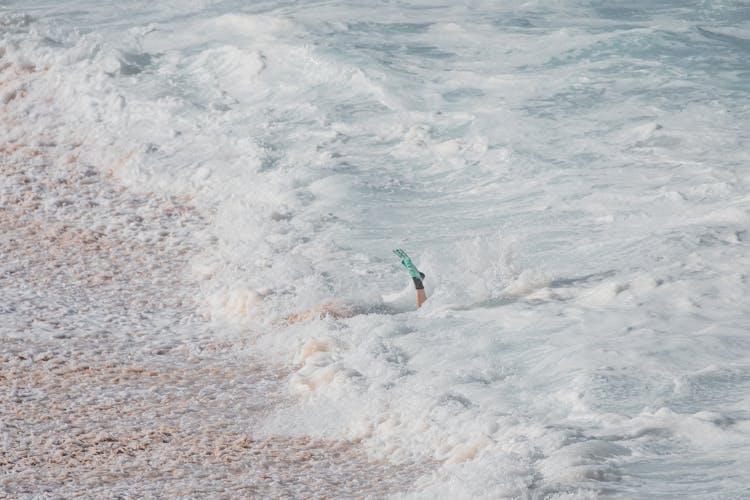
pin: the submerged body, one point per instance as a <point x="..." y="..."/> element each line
<point x="341" y="308"/>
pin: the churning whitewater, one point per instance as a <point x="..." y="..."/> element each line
<point x="181" y="178"/>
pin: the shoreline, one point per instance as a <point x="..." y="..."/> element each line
<point x="115" y="385"/>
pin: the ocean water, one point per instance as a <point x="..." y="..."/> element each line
<point x="572" y="176"/>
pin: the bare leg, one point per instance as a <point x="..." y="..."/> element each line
<point x="415" y="274"/>
<point x="335" y="309"/>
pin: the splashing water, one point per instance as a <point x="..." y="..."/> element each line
<point x="571" y="177"/>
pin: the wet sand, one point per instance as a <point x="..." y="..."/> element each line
<point x="112" y="385"/>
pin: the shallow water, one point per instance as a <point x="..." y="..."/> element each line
<point x="571" y="176"/>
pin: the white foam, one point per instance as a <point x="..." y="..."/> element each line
<point x="571" y="184"/>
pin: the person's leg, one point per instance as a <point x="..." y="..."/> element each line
<point x="335" y="309"/>
<point x="415" y="274"/>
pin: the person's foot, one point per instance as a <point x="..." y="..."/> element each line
<point x="408" y="264"/>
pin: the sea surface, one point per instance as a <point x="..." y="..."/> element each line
<point x="573" y="177"/>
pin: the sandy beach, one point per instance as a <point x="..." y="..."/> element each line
<point x="112" y="385"/>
